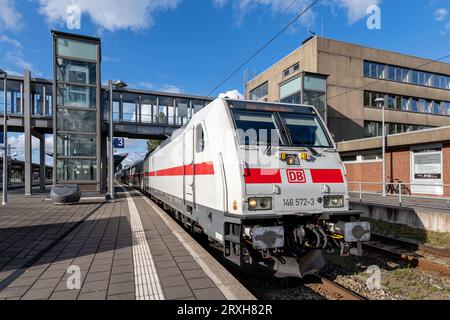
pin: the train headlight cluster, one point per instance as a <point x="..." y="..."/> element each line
<point x="256" y="204"/>
<point x="292" y="159"/>
<point x="333" y="201"/>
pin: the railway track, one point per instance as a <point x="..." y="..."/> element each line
<point x="335" y="290"/>
<point x="416" y="255"/>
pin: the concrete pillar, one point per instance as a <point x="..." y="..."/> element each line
<point x="42" y="163"/>
<point x="27" y="131"/>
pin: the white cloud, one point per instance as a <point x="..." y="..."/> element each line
<point x="232" y="94"/>
<point x="441" y="14"/>
<point x="10" y="41"/>
<point x="355" y="9"/>
<point x="10" y="18"/>
<point x="144" y="85"/>
<point x="13" y="56"/>
<point x="170" y="88"/>
<point x="109" y="14"/>
<point x="220" y="3"/>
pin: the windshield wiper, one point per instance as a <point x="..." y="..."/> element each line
<point x="312" y="150"/>
<point x="268" y="150"/>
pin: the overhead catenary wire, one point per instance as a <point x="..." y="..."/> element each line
<point x="266" y="44"/>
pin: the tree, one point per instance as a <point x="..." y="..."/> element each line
<point x="152" y="144"/>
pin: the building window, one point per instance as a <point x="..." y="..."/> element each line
<point x="290" y="92"/>
<point x="403" y="103"/>
<point x="76" y="169"/>
<point x="291" y="70"/>
<point x="394" y="73"/>
<point x="199" y="139"/>
<point x="374" y="128"/>
<point x="260" y="92"/>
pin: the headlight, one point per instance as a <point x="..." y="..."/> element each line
<point x="255" y="204"/>
<point x="333" y="201"/>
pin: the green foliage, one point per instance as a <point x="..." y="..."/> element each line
<point x="152" y="144"/>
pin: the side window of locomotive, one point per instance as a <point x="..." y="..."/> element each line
<point x="199" y="139"/>
<point x="256" y="128"/>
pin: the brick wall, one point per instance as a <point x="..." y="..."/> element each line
<point x="398" y="166"/>
<point x="364" y="172"/>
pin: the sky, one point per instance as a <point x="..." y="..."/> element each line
<point x="190" y="46"/>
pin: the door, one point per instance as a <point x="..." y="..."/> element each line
<point x="188" y="176"/>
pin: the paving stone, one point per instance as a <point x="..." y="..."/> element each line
<point x="65" y="295"/>
<point x="95" y="286"/>
<point x="45" y="283"/>
<point x="177" y="292"/>
<point x="194" y="273"/>
<point x="97" y="276"/>
<point x="23" y="281"/>
<point x="98" y="295"/>
<point x="188" y="265"/>
<point x="38" y="294"/>
<point x="120" y="288"/>
<point x="201" y="283"/>
<point x="172" y="281"/>
<point x="13" y="292"/>
<point x="185" y="259"/>
<point x="208" y="294"/>
<point x="123" y="277"/>
<point x="126" y="296"/>
<point x="169" y="272"/>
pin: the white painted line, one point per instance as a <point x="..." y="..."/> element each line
<point x="146" y="279"/>
<point x="230" y="287"/>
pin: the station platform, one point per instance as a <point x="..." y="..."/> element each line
<point x="96" y="250"/>
<point x="426" y="213"/>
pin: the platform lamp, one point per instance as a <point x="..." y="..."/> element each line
<point x="380" y="104"/>
<point x="119" y="84"/>
<point x="5" y="140"/>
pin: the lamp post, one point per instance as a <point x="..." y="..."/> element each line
<point x="5" y="141"/>
<point x="119" y="84"/>
<point x="380" y="103"/>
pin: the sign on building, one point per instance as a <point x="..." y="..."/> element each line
<point x="119" y="143"/>
<point x="426" y="171"/>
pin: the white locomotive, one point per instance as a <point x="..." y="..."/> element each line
<point x="262" y="179"/>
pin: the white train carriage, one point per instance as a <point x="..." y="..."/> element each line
<point x="263" y="179"/>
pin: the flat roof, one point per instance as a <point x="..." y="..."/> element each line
<point x="427" y="136"/>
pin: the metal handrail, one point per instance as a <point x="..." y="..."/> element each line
<point x="399" y="193"/>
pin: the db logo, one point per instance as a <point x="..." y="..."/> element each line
<point x="296" y="176"/>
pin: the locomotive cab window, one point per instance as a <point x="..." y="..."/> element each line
<point x="199" y="139"/>
<point x="257" y="128"/>
<point x="305" y="130"/>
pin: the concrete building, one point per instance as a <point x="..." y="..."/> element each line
<point x="343" y="80"/>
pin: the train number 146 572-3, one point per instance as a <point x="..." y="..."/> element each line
<point x="298" y="202"/>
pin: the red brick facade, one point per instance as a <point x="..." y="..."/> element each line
<point x="398" y="166"/>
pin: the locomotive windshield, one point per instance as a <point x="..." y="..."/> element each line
<point x="304" y="130"/>
<point x="257" y="128"/>
<point x="280" y="128"/>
